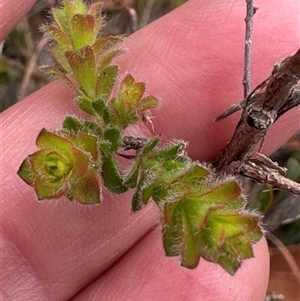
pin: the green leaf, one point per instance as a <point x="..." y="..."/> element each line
<point x="84" y="142"/>
<point x="173" y="152"/>
<point x="152" y="143"/>
<point x="65" y="165"/>
<point x="228" y="193"/>
<point x="86" y="105"/>
<point x="107" y="59"/>
<point x="233" y="246"/>
<point x="106" y="81"/>
<point x="82" y="30"/>
<point x="104" y="146"/>
<point x="101" y="109"/>
<point x="80" y="7"/>
<point x="191" y="242"/>
<point x="124" y="108"/>
<point x="50" y="188"/>
<point x="210" y="226"/>
<point x="51" y="164"/>
<point x="112" y="176"/>
<point x="59" y="37"/>
<point x="95" y="10"/>
<point x="87" y="143"/>
<point x="26" y="173"/>
<point x="103" y="44"/>
<point x="74" y="7"/>
<point x="72" y="124"/>
<point x="54" y="142"/>
<point x="87" y="190"/>
<point x="172" y="238"/>
<point x="56" y="72"/>
<point x="82" y="63"/>
<point x="136" y="203"/>
<point x="93" y="128"/>
<point x="62" y="20"/>
<point x="114" y="136"/>
<point x="229" y="224"/>
<point x="131" y="92"/>
<point x="195" y="173"/>
<point x="69" y="8"/>
<point x="132" y="177"/>
<point x="121" y="115"/>
<point x="80" y="162"/>
<point x="147" y="103"/>
<point x="59" y="56"/>
<point x="158" y="174"/>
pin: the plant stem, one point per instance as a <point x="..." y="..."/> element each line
<point x="251" y="10"/>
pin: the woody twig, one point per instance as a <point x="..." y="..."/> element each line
<point x="276" y="95"/>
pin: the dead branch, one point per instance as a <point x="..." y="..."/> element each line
<point x="264" y="105"/>
<point x="263" y="174"/>
<point x="251" y="10"/>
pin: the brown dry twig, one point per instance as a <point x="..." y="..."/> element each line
<point x="267" y="102"/>
<point x="276" y="95"/>
<point x="251" y="10"/>
<point x="272" y="98"/>
<point x="263" y="174"/>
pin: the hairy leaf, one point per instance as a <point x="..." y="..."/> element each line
<point x="112" y="177"/>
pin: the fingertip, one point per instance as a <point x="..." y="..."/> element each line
<point x="11" y="14"/>
<point x="145" y="273"/>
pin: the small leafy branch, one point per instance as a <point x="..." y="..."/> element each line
<point x="202" y="214"/>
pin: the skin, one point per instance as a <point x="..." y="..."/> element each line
<point x="192" y="60"/>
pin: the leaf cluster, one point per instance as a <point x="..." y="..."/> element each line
<point x="201" y="215"/>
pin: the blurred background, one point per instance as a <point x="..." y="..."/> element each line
<point x="25" y="50"/>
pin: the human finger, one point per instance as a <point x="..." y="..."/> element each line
<point x="11" y="14"/>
